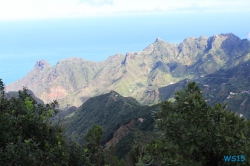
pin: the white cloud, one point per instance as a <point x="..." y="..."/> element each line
<point x="31" y="9"/>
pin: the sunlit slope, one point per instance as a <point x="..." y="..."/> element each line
<point x="228" y="85"/>
<point x="72" y="81"/>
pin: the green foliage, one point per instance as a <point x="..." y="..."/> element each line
<point x="159" y="152"/>
<point x="136" y="154"/>
<point x="111" y="160"/>
<point x="194" y="133"/>
<point x="94" y="151"/>
<point x="125" y="145"/>
<point x="31" y="137"/>
<point x="76" y="155"/>
<point x="28" y="136"/>
<point x="94" y="155"/>
<point x="109" y="111"/>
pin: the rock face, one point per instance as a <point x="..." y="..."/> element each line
<point x="72" y="81"/>
<point x="40" y="65"/>
<point x="119" y="134"/>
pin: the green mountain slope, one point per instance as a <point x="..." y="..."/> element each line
<point x="15" y="94"/>
<point x="72" y="81"/>
<point x="122" y="119"/>
<point x="231" y="86"/>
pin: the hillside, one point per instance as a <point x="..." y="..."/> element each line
<point x="231" y="86"/>
<point x="72" y="81"/>
<point x="15" y="94"/>
<point x="123" y="119"/>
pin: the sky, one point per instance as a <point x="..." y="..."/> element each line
<point x="31" y="30"/>
<point x="16" y="10"/>
<point x="40" y="9"/>
<point x="248" y="35"/>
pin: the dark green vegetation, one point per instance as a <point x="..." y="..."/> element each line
<point x="195" y="133"/>
<point x="27" y="134"/>
<point x="30" y="138"/>
<point x="9" y="95"/>
<point x="231" y="86"/>
<point x="123" y="119"/>
<point x="194" y="130"/>
<point x="191" y="132"/>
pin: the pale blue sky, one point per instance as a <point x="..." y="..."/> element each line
<point x="31" y="30"/>
<point x="37" y="9"/>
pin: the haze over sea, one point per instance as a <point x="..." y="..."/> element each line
<point x="24" y="42"/>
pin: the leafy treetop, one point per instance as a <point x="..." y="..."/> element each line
<point x="195" y="133"/>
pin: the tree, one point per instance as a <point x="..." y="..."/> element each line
<point x="28" y="136"/>
<point x="94" y="153"/>
<point x="195" y="133"/>
<point x="76" y="155"/>
<point x="94" y="150"/>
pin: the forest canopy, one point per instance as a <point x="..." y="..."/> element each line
<point x="192" y="133"/>
<point x="195" y="133"/>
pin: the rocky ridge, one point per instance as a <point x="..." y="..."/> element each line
<point x="72" y="81"/>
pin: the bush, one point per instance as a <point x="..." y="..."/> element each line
<point x="28" y="136"/>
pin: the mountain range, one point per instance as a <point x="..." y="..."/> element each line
<point x="142" y="75"/>
<point x="121" y="92"/>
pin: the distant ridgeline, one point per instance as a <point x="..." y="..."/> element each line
<point x="219" y="63"/>
<point x="15" y="94"/>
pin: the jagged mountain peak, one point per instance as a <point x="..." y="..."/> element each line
<point x="114" y="58"/>
<point x="224" y="36"/>
<point x="158" y="40"/>
<point x="118" y="55"/>
<point x="72" y="60"/>
<point x="231" y="44"/>
<point x="188" y="39"/>
<point x="75" y="80"/>
<point x="41" y="64"/>
<point x="203" y="37"/>
<point x="127" y="57"/>
<point x="231" y="35"/>
<point x="192" y="39"/>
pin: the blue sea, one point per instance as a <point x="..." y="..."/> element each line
<point x="24" y="42"/>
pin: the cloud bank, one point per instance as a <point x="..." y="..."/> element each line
<point x="30" y="9"/>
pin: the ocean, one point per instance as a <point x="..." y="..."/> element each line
<point x="24" y="42"/>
